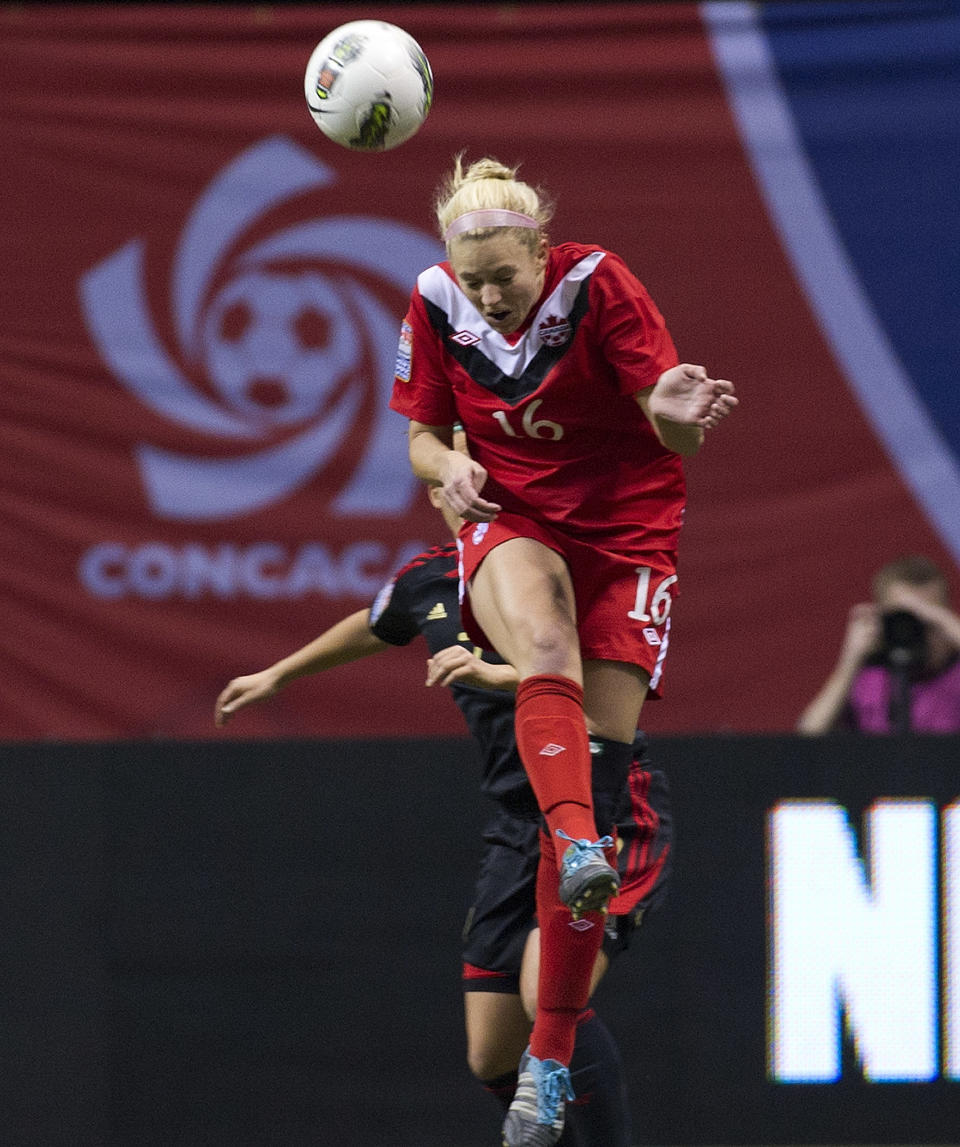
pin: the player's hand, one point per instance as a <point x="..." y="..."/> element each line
<point x="456" y="665"/>
<point x="243" y="691"/>
<point x="686" y="394"/>
<point x="452" y="664"/>
<point x="462" y="481"/>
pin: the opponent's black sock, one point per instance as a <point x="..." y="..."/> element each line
<point x="600" y="1114"/>
<point x="502" y="1088"/>
<point x="610" y="763"/>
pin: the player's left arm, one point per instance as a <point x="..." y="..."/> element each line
<point x="455" y="664"/>
<point x="683" y="403"/>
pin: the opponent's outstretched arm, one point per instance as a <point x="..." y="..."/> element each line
<point x="347" y="640"/>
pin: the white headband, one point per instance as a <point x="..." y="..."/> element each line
<point x="490" y="218"/>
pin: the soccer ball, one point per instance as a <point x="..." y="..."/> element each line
<point x="368" y="85"/>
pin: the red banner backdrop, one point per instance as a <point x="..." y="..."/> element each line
<point x="200" y="305"/>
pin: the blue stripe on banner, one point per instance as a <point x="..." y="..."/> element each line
<point x="850" y="113"/>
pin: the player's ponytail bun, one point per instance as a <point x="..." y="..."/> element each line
<point x="486" y="168"/>
<point x="487" y="184"/>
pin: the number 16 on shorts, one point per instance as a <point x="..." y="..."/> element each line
<point x="651" y="608"/>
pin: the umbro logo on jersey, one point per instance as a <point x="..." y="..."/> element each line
<point x="554" y="331"/>
<point x="438" y="613"/>
<point x="465" y="338"/>
<point x="552" y="750"/>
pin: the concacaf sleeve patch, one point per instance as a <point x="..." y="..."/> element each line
<point x="381" y="602"/>
<point x="404" y="352"/>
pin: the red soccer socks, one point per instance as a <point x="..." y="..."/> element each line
<point x="568" y="952"/>
<point x="553" y="745"/>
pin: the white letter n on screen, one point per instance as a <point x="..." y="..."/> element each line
<point x="852" y="940"/>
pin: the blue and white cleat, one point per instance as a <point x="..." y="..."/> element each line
<point x="587" y="882"/>
<point x="536" y="1116"/>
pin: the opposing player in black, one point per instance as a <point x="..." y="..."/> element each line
<point x="501" y="939"/>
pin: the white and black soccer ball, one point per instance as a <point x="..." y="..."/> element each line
<point x="368" y="85"/>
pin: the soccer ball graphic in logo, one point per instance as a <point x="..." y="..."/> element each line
<point x="368" y="85"/>
<point x="277" y="345"/>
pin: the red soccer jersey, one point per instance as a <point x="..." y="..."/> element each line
<point x="550" y="412"/>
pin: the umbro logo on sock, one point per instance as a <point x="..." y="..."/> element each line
<point x="581" y="925"/>
<point x="551" y="750"/>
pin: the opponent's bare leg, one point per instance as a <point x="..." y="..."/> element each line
<point x="498" y="1029"/>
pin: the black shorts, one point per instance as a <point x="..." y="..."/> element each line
<point x="504" y="909"/>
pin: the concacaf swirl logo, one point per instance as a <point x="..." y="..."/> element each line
<point x="285" y="348"/>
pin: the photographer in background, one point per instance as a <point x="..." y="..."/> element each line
<point x="899" y="665"/>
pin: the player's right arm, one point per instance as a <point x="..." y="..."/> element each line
<point x="434" y="459"/>
<point x="347" y="640"/>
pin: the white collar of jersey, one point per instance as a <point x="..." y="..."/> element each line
<point x="440" y="289"/>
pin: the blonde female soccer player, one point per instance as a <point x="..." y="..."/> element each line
<point x="577" y="414"/>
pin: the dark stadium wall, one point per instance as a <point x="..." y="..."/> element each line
<point x="245" y="944"/>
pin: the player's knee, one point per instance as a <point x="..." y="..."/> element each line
<point x="553" y="644"/>
<point x="528" y="996"/>
<point x="488" y="1061"/>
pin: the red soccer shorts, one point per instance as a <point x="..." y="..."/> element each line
<point x="623" y="601"/>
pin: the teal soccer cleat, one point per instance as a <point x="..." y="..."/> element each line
<point x="535" y="1118"/>
<point x="587" y="882"/>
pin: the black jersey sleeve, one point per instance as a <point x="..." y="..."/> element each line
<point x="391" y="615"/>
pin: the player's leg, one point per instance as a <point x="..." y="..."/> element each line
<point x="568" y="953"/>
<point x="499" y="920"/>
<point x="599" y="1115"/>
<point x="500" y="600"/>
<point x="613" y="695"/>
<point x="569" y="946"/>
<point x="498" y="1030"/>
<point x="522" y="597"/>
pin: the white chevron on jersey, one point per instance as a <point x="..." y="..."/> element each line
<point x="436" y="286"/>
